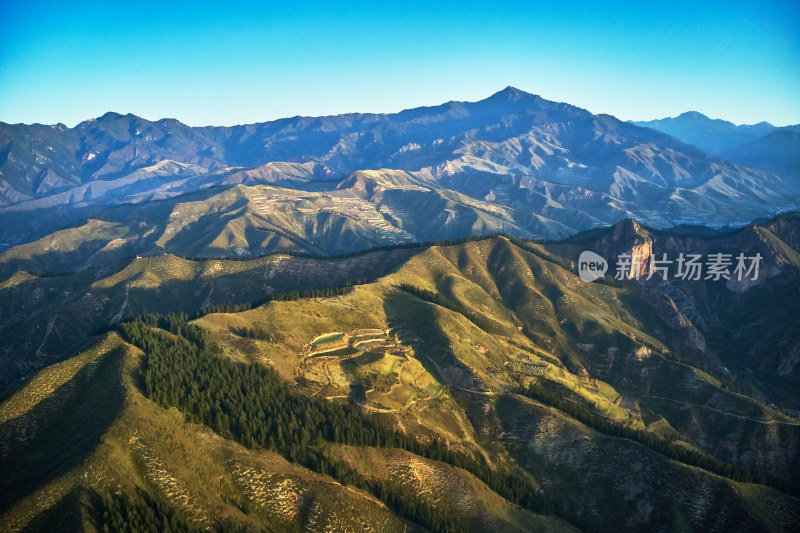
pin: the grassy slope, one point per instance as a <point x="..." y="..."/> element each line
<point x="556" y="314"/>
<point x="47" y="318"/>
<point x="458" y="381"/>
<point x="210" y="481"/>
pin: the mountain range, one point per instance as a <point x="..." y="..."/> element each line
<point x="514" y="163"/>
<point x="762" y="145"/>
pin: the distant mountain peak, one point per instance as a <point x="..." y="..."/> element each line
<point x="713" y="135"/>
<point x="513" y="94"/>
<point x="516" y="100"/>
<point x="693" y="114"/>
<point x="112" y="115"/>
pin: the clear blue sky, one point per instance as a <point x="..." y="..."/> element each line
<point x="227" y="62"/>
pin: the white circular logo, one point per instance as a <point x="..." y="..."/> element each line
<point x="591" y="266"/>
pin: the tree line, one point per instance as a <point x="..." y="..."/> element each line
<point x="482" y="322"/>
<point x="252" y="333"/>
<point x="324" y="257"/>
<point x="288" y="296"/>
<point x="136" y="513"/>
<point x="253" y="405"/>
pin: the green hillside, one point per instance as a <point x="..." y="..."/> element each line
<point x="478" y="385"/>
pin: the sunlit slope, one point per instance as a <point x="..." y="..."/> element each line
<point x="368" y="209"/>
<point x="46" y="318"/>
<point x="137" y="456"/>
<point x="461" y="374"/>
<point x="590" y="392"/>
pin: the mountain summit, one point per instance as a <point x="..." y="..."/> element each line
<point x="513" y="94"/>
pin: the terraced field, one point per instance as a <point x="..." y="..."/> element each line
<point x="372" y="366"/>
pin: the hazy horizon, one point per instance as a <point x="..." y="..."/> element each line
<point x="156" y="119"/>
<point x="206" y="64"/>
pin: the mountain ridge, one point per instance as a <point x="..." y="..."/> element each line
<point x="124" y="282"/>
<point x="778" y="152"/>
<point x="716" y="136"/>
<point x="513" y="151"/>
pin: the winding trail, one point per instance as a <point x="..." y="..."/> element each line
<point x="50" y="327"/>
<point x="118" y="316"/>
<point x="726" y="413"/>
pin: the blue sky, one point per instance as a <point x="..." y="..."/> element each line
<point x="233" y="62"/>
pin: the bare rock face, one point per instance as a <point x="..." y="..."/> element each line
<point x="640" y="260"/>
